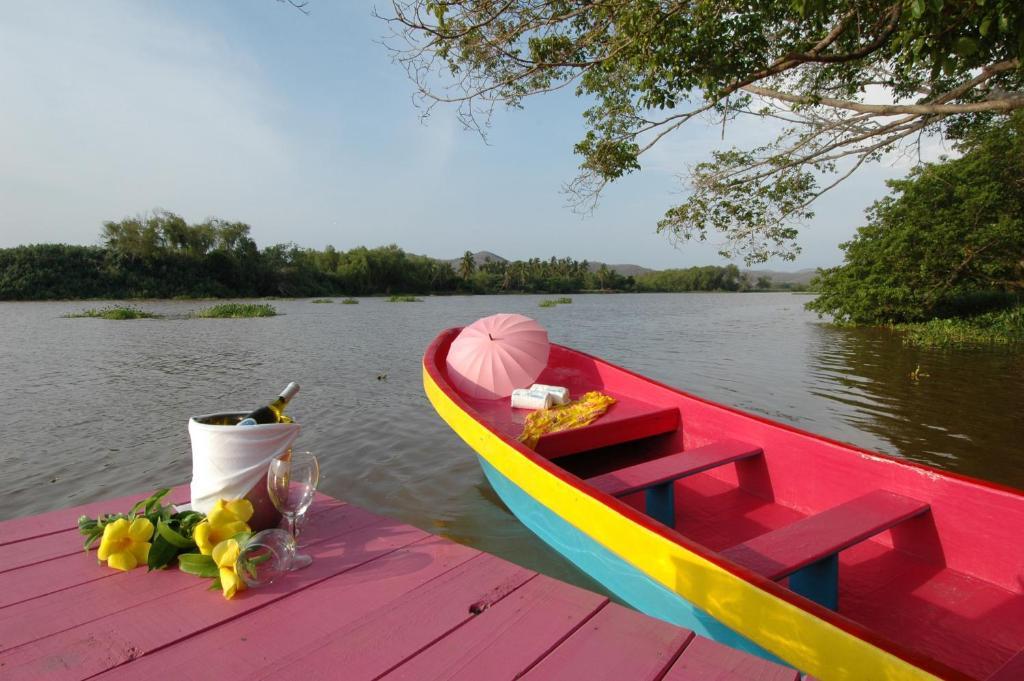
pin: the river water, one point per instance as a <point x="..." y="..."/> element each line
<point x="96" y="408"/>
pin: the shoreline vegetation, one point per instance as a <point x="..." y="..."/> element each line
<point x="161" y="256"/>
<point x="992" y="329"/>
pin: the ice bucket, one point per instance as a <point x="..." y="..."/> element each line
<point x="230" y="462"/>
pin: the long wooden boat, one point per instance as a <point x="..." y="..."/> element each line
<point x="844" y="563"/>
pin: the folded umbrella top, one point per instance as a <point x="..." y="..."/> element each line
<point x="495" y="355"/>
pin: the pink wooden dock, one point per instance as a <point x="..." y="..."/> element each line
<point x="382" y="600"/>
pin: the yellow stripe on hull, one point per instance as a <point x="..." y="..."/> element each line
<point x="803" y="640"/>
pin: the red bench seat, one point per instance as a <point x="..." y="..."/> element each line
<point x="807" y="550"/>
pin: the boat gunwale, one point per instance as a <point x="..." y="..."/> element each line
<point x="918" y="659"/>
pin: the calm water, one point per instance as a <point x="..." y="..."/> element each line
<point x="97" y="408"/>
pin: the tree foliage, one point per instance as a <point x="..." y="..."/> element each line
<point x="952" y="232"/>
<point x="650" y="66"/>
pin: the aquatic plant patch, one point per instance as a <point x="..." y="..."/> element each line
<point x="237" y="310"/>
<point x="115" y="312"/>
<point x="999" y="328"/>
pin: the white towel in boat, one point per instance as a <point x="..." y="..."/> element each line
<point x="559" y="395"/>
<point x="531" y="399"/>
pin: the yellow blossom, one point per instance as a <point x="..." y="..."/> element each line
<point x="125" y="545"/>
<point x="227" y="519"/>
<point x="225" y="555"/>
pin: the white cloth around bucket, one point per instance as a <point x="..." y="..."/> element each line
<point x="229" y="461"/>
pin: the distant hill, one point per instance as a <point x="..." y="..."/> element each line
<point x="481" y="257"/>
<point x="801" y="277"/>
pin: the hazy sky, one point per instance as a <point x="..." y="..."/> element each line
<point x="302" y="127"/>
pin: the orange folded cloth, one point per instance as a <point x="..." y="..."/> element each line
<point x="575" y="414"/>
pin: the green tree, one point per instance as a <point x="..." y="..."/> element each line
<point x="467" y="265"/>
<point x="648" y="67"/>
<point x="951" y="231"/>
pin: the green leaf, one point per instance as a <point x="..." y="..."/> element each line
<point x="966" y="46"/>
<point x="917" y="8"/>
<point x="161" y="553"/>
<point x="986" y="26"/>
<point x="197" y="564"/>
<point x="173" y="538"/>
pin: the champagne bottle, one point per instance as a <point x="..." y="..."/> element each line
<point x="273" y="412"/>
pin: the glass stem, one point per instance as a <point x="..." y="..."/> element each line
<point x="290" y="518"/>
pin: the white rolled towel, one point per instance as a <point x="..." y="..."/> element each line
<point x="531" y="399"/>
<point x="559" y="395"/>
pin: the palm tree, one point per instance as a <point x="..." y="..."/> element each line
<point x="467" y="265"/>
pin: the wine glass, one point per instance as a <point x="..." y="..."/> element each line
<point x="291" y="483"/>
<point x="266" y="556"/>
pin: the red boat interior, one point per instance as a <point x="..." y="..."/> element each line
<point x="931" y="562"/>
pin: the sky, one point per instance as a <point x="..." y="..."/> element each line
<point x="304" y="128"/>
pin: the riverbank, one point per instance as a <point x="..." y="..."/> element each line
<point x="999" y="328"/>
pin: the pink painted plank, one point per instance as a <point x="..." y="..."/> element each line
<point x="98" y="645"/>
<point x="53" y="574"/>
<point x="245" y="647"/>
<point x="1013" y="670"/>
<point x="507" y="638"/>
<point x="57" y="611"/>
<point x="626" y="420"/>
<point x="39" y="549"/>
<point x="706" y="660"/>
<point x="786" y="550"/>
<point x="615" y="644"/>
<point x="672" y="467"/>
<point x="373" y="644"/>
<point x="67" y="518"/>
<point x="29" y="552"/>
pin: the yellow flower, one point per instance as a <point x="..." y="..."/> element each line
<point x="225" y="555"/>
<point x="125" y="545"/>
<point x="227" y="519"/>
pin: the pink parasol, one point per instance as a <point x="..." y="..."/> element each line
<point x="495" y="355"/>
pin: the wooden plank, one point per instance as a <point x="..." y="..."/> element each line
<point x="372" y="645"/>
<point x="626" y="420"/>
<point x="40" y="549"/>
<point x="506" y="639"/>
<point x="98" y="645"/>
<point x="1012" y="670"/>
<point x="247" y="646"/>
<point x="62" y="572"/>
<point x="672" y="467"/>
<point x="61" y="609"/>
<point x="706" y="660"/>
<point x="787" y="549"/>
<point x="615" y="644"/>
<point x="19" y="529"/>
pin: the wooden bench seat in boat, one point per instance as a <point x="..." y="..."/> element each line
<point x="1012" y="670"/>
<point x="656" y="476"/>
<point x="627" y="420"/>
<point x="807" y="551"/>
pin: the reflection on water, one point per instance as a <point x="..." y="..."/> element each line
<point x="96" y="408"/>
<point x="955" y="410"/>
